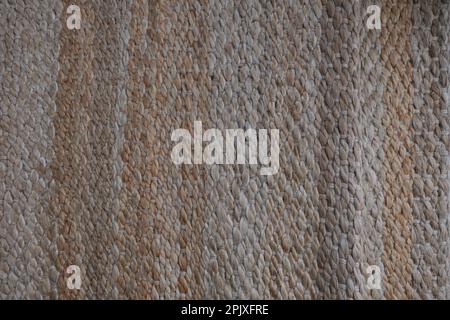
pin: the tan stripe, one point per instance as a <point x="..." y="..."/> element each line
<point x="105" y="144"/>
<point x="398" y="148"/>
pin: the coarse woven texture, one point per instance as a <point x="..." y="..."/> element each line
<point x="86" y="176"/>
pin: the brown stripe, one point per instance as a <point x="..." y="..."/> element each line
<point x="71" y="144"/>
<point x="398" y="148"/>
<point x="87" y="145"/>
<point x="337" y="122"/>
<point x="132" y="239"/>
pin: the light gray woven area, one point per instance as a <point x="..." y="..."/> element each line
<point x="86" y="176"/>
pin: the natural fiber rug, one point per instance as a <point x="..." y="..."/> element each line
<point x="86" y="176"/>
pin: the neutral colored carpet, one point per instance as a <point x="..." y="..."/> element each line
<point x="86" y="176"/>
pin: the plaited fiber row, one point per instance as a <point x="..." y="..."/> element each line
<point x="86" y="176"/>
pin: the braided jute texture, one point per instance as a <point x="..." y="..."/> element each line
<point x="86" y="176"/>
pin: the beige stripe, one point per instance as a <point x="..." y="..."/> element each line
<point x="28" y="84"/>
<point x="431" y="167"/>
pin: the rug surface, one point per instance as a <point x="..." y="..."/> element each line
<point x="87" y="179"/>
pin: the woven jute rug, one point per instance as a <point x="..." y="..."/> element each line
<point x="87" y="179"/>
